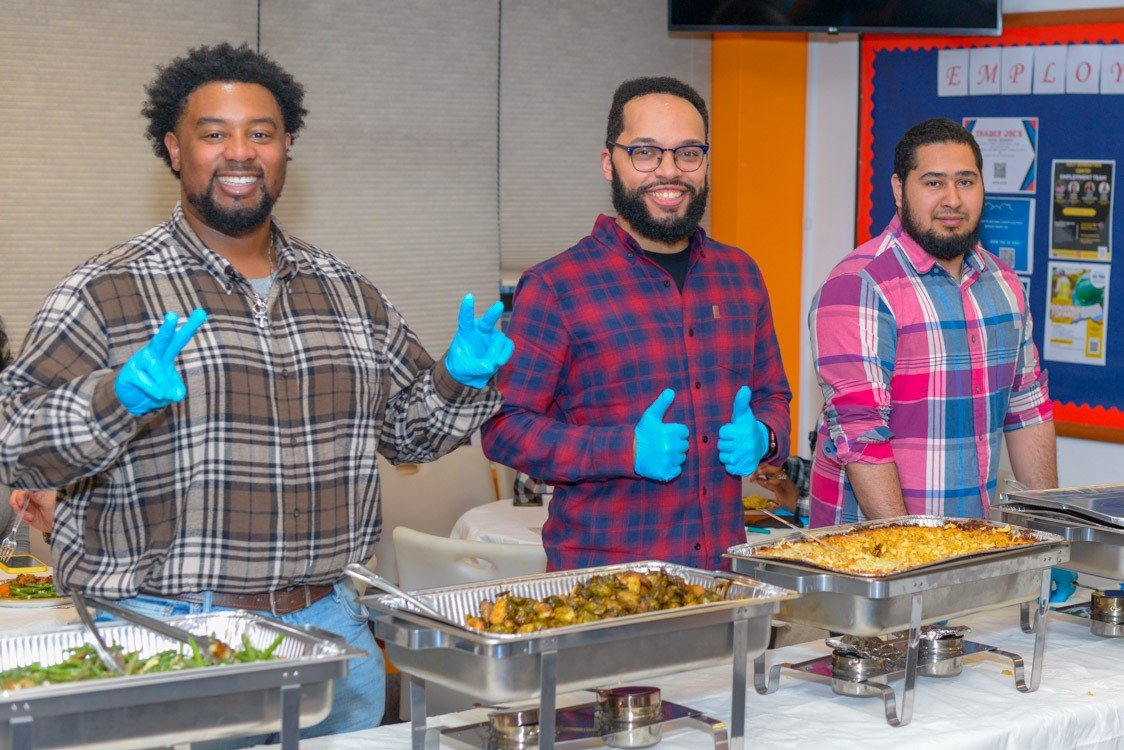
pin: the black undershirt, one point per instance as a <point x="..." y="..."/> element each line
<point x="674" y="263"/>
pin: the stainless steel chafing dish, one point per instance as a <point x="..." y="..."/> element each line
<point x="143" y="711"/>
<point x="1090" y="518"/>
<point x="876" y="604"/>
<point x="502" y="668"/>
<point x="869" y="605"/>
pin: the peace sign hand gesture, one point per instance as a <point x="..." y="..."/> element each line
<point x="149" y="380"/>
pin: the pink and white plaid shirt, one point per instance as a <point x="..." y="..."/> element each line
<point x="922" y="370"/>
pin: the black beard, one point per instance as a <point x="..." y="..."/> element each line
<point x="232" y="222"/>
<point x="630" y="207"/>
<point x="940" y="246"/>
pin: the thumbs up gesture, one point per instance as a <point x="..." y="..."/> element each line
<point x="661" y="447"/>
<point x="742" y="442"/>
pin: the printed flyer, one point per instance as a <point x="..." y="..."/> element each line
<point x="1076" y="313"/>
<point x="1007" y="230"/>
<point x="1081" y="220"/>
<point x="1010" y="152"/>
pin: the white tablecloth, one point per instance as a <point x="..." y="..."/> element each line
<point x="501" y="522"/>
<point x="1079" y="704"/>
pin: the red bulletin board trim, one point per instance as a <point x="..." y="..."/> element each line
<point x="1108" y="33"/>
<point x="1073" y="420"/>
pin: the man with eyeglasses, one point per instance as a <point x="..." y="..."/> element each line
<point x="646" y="380"/>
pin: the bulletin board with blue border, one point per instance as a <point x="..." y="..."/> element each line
<point x="1050" y="169"/>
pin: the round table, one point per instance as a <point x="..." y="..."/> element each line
<point x="500" y="521"/>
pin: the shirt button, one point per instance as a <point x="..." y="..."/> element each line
<point x="977" y="389"/>
<point x="704" y="491"/>
<point x="698" y="385"/>
<point x="697" y="547"/>
<point x="690" y="331"/>
<point x="293" y="442"/>
<point x="666" y="282"/>
<point x="706" y="439"/>
<point x="284" y="372"/>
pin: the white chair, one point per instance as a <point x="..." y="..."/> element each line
<point x="430" y="497"/>
<point x="426" y="561"/>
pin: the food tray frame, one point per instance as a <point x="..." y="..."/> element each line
<point x="143" y="711"/>
<point x="499" y="668"/>
<point x="878" y="604"/>
<point x="1094" y="549"/>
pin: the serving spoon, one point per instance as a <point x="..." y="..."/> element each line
<point x="801" y="531"/>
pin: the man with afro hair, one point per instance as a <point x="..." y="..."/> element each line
<point x="230" y="463"/>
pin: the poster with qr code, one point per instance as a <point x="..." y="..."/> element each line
<point x="1010" y="152"/>
<point x="1076" y="313"/>
<point x="1007" y="230"/>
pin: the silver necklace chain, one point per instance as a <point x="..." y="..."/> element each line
<point x="260" y="309"/>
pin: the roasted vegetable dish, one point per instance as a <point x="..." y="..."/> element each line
<point x="895" y="548"/>
<point x="83" y="663"/>
<point x="28" y="586"/>
<point x="597" y="598"/>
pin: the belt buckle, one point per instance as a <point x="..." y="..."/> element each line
<point x="273" y="603"/>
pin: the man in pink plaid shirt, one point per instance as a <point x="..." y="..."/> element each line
<point x="922" y="346"/>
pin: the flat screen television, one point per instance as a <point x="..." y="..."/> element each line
<point x="954" y="17"/>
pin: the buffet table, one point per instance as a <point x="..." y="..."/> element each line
<point x="1080" y="702"/>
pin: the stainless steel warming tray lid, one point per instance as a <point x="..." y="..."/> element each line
<point x="1099" y="504"/>
<point x="1096" y="547"/>
<point x="498" y="667"/>
<point x="143" y="711"/>
<point x="876" y="604"/>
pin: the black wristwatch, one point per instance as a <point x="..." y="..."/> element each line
<point x="772" y="451"/>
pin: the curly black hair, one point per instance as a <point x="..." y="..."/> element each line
<point x="5" y="351"/>
<point x="936" y="130"/>
<point x="638" y="87"/>
<point x="174" y="82"/>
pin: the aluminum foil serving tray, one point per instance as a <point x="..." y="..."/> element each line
<point x="498" y="668"/>
<point x="144" y="711"/>
<point x="873" y="605"/>
<point x="1090" y="518"/>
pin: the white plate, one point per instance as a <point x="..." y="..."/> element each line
<point x="50" y="601"/>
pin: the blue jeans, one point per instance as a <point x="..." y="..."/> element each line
<point x="358" y="701"/>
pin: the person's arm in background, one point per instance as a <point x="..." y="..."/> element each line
<point x="524" y="434"/>
<point x="37" y="508"/>
<point x="1029" y="424"/>
<point x="853" y="337"/>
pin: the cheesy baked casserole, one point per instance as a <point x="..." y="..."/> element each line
<point x="894" y="548"/>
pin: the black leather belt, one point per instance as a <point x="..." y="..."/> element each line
<point x="278" y="602"/>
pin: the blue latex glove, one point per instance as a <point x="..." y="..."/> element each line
<point x="479" y="349"/>
<point x="742" y="441"/>
<point x="149" y="380"/>
<point x="661" y="447"/>
<point x="1062" y="584"/>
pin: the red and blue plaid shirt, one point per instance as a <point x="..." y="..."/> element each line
<point x="599" y="331"/>
<point x="923" y="370"/>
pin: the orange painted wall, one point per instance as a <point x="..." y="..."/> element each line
<point x="758" y="86"/>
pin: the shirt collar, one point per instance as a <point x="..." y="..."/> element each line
<point x="611" y="234"/>
<point x="219" y="266"/>
<point x="922" y="261"/>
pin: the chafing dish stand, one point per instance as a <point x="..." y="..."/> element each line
<point x="500" y="668"/>
<point x="874" y="605"/>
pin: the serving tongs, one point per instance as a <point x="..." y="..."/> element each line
<point x="802" y="532"/>
<point x="357" y="571"/>
<point x="110" y="658"/>
<point x="200" y="643"/>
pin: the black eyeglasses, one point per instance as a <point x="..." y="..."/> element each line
<point x="647" y="158"/>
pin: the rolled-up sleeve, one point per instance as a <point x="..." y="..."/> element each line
<point x="853" y="337"/>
